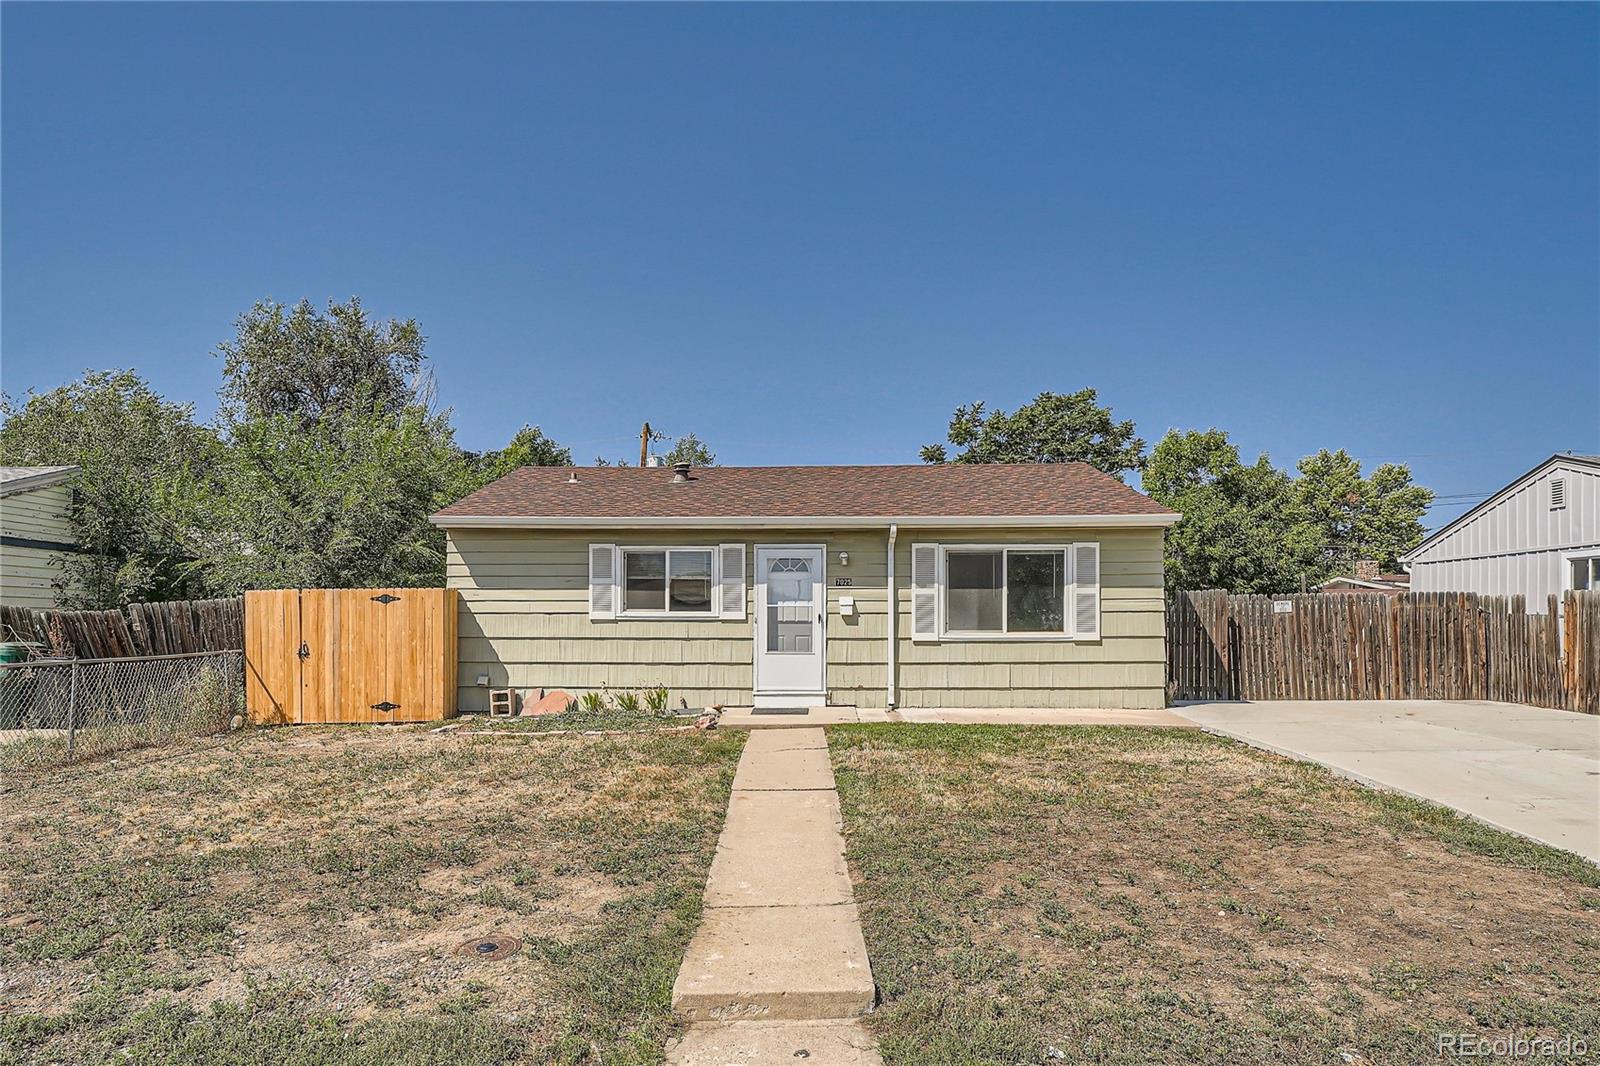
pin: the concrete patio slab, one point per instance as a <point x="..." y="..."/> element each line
<point x="780" y="849"/>
<point x="775" y="962"/>
<point x="1527" y="770"/>
<point x="784" y="769"/>
<point x="834" y="1043"/>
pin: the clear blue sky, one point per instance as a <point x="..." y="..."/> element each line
<point x="807" y="233"/>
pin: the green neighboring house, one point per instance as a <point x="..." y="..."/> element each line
<point x="34" y="532"/>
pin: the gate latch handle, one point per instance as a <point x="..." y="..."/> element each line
<point x="305" y="650"/>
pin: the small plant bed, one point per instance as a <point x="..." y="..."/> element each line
<point x="309" y="895"/>
<point x="1034" y="895"/>
<point x="598" y="712"/>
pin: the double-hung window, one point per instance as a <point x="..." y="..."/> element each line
<point x="671" y="581"/>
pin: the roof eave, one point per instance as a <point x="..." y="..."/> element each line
<point x="37" y="481"/>
<point x="1118" y="521"/>
<point x="1433" y="538"/>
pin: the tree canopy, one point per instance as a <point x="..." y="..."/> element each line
<point x="692" y="450"/>
<point x="298" y="361"/>
<point x="324" y="462"/>
<point x="1052" y="428"/>
<point x="146" y="472"/>
<point x="1255" y="528"/>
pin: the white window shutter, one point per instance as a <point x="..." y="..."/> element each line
<point x="731" y="593"/>
<point x="924" y="592"/>
<point x="1086" y="591"/>
<point x="602" y="581"/>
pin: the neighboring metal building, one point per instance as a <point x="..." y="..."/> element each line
<point x="1538" y="536"/>
<point x="34" y="532"/>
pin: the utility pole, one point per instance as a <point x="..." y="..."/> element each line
<point x="644" y="445"/>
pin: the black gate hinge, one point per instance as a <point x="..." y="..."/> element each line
<point x="386" y="598"/>
<point x="386" y="706"/>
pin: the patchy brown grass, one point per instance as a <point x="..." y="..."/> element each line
<point x="1138" y="896"/>
<point x="297" y="894"/>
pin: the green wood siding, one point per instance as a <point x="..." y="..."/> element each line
<point x="525" y="623"/>
<point x="27" y="575"/>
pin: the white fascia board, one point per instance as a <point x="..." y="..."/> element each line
<point x="1476" y="509"/>
<point x="41" y="480"/>
<point x="1114" y="521"/>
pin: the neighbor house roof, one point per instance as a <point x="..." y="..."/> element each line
<point x="23" y="478"/>
<point x="1027" y="494"/>
<point x="1559" y="459"/>
<point x="1383" y="582"/>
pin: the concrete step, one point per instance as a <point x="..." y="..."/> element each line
<point x="839" y="1043"/>
<point x="780" y="849"/>
<point x="803" y="963"/>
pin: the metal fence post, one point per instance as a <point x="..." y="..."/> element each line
<point x="72" y="709"/>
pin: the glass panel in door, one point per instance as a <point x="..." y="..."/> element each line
<point x="790" y="623"/>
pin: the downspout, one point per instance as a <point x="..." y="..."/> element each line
<point x="894" y="610"/>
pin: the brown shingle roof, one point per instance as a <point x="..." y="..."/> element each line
<point x="969" y="491"/>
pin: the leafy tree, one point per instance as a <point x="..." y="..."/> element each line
<point x="335" y="457"/>
<point x="685" y="449"/>
<point x="343" y="503"/>
<point x="1053" y="428"/>
<point x="691" y="449"/>
<point x="1235" y="520"/>
<point x="1341" y="517"/>
<point x="1256" y="529"/>
<point x="300" y="362"/>
<point x="529" y="447"/>
<point x="145" y="472"/>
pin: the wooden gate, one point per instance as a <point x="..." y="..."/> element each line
<point x="350" y="655"/>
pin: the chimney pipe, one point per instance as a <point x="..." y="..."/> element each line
<point x="680" y="473"/>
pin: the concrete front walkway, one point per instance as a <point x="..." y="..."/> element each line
<point x="778" y="970"/>
<point x="1528" y="770"/>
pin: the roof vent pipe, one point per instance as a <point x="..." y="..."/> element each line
<point x="680" y="473"/>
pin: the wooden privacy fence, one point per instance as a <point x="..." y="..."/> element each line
<point x="177" y="627"/>
<point x="1429" y="645"/>
<point x="350" y="655"/>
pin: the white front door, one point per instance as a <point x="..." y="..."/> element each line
<point x="790" y="613"/>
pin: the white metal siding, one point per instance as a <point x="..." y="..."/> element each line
<point x="1518" y="545"/>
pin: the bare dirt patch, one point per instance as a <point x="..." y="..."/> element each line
<point x="1109" y="895"/>
<point x="300" y="893"/>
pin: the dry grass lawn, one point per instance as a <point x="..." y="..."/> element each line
<point x="297" y="895"/>
<point x="1150" y="896"/>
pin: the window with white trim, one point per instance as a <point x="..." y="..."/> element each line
<point x="1010" y="591"/>
<point x="1583" y="572"/>
<point x="668" y="581"/>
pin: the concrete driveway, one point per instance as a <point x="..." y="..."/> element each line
<point x="1525" y="769"/>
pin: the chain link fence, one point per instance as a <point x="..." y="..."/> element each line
<point x="54" y="712"/>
